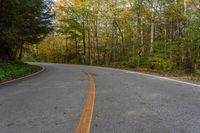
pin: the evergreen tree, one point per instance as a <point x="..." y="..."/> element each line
<point x="22" y="23"/>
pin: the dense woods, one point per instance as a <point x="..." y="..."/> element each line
<point x="156" y="34"/>
<point x="153" y="34"/>
<point x="22" y="23"/>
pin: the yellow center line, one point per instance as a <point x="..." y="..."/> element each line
<point x="86" y="117"/>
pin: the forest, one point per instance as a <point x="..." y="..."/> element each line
<point x="152" y="34"/>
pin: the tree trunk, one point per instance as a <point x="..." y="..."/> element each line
<point x="66" y="50"/>
<point x="20" y="52"/>
<point x="152" y="30"/>
<point x="96" y="46"/>
<point x="89" y="48"/>
<point x="185" y="7"/>
<point x="84" y="42"/>
<point x="77" y="52"/>
<point x="171" y="38"/>
<point x="139" y="32"/>
<point x="1" y="7"/>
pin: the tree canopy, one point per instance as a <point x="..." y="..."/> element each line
<point x="147" y="33"/>
<point x="22" y="22"/>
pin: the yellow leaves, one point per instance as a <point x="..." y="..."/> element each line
<point x="59" y="4"/>
<point x="52" y="45"/>
<point x="125" y="12"/>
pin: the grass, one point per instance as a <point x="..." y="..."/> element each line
<point x="12" y="70"/>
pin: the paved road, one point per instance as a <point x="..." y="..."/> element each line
<point x="52" y="102"/>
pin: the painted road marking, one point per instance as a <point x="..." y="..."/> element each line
<point x="86" y="117"/>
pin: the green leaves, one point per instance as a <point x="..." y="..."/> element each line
<point x="23" y="22"/>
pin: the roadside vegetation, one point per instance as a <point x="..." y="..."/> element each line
<point x="12" y="70"/>
<point x="145" y="35"/>
<point x="22" y="23"/>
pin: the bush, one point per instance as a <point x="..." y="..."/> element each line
<point x="159" y="63"/>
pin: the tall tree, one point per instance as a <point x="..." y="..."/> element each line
<point x="22" y="23"/>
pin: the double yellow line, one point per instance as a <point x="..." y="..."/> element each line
<point x="86" y="117"/>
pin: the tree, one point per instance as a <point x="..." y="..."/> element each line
<point x="22" y="23"/>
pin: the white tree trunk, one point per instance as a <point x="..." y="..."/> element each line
<point x="152" y="29"/>
<point x="185" y="7"/>
<point x="141" y="34"/>
<point x="152" y="35"/>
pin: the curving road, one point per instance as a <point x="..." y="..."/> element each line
<point x="126" y="102"/>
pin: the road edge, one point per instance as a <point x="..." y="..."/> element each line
<point x="24" y="77"/>
<point x="151" y="75"/>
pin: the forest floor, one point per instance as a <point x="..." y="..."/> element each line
<point x="13" y="70"/>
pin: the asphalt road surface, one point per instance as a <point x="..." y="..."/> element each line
<point x="126" y="102"/>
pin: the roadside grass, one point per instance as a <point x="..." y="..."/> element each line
<point x="12" y="70"/>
